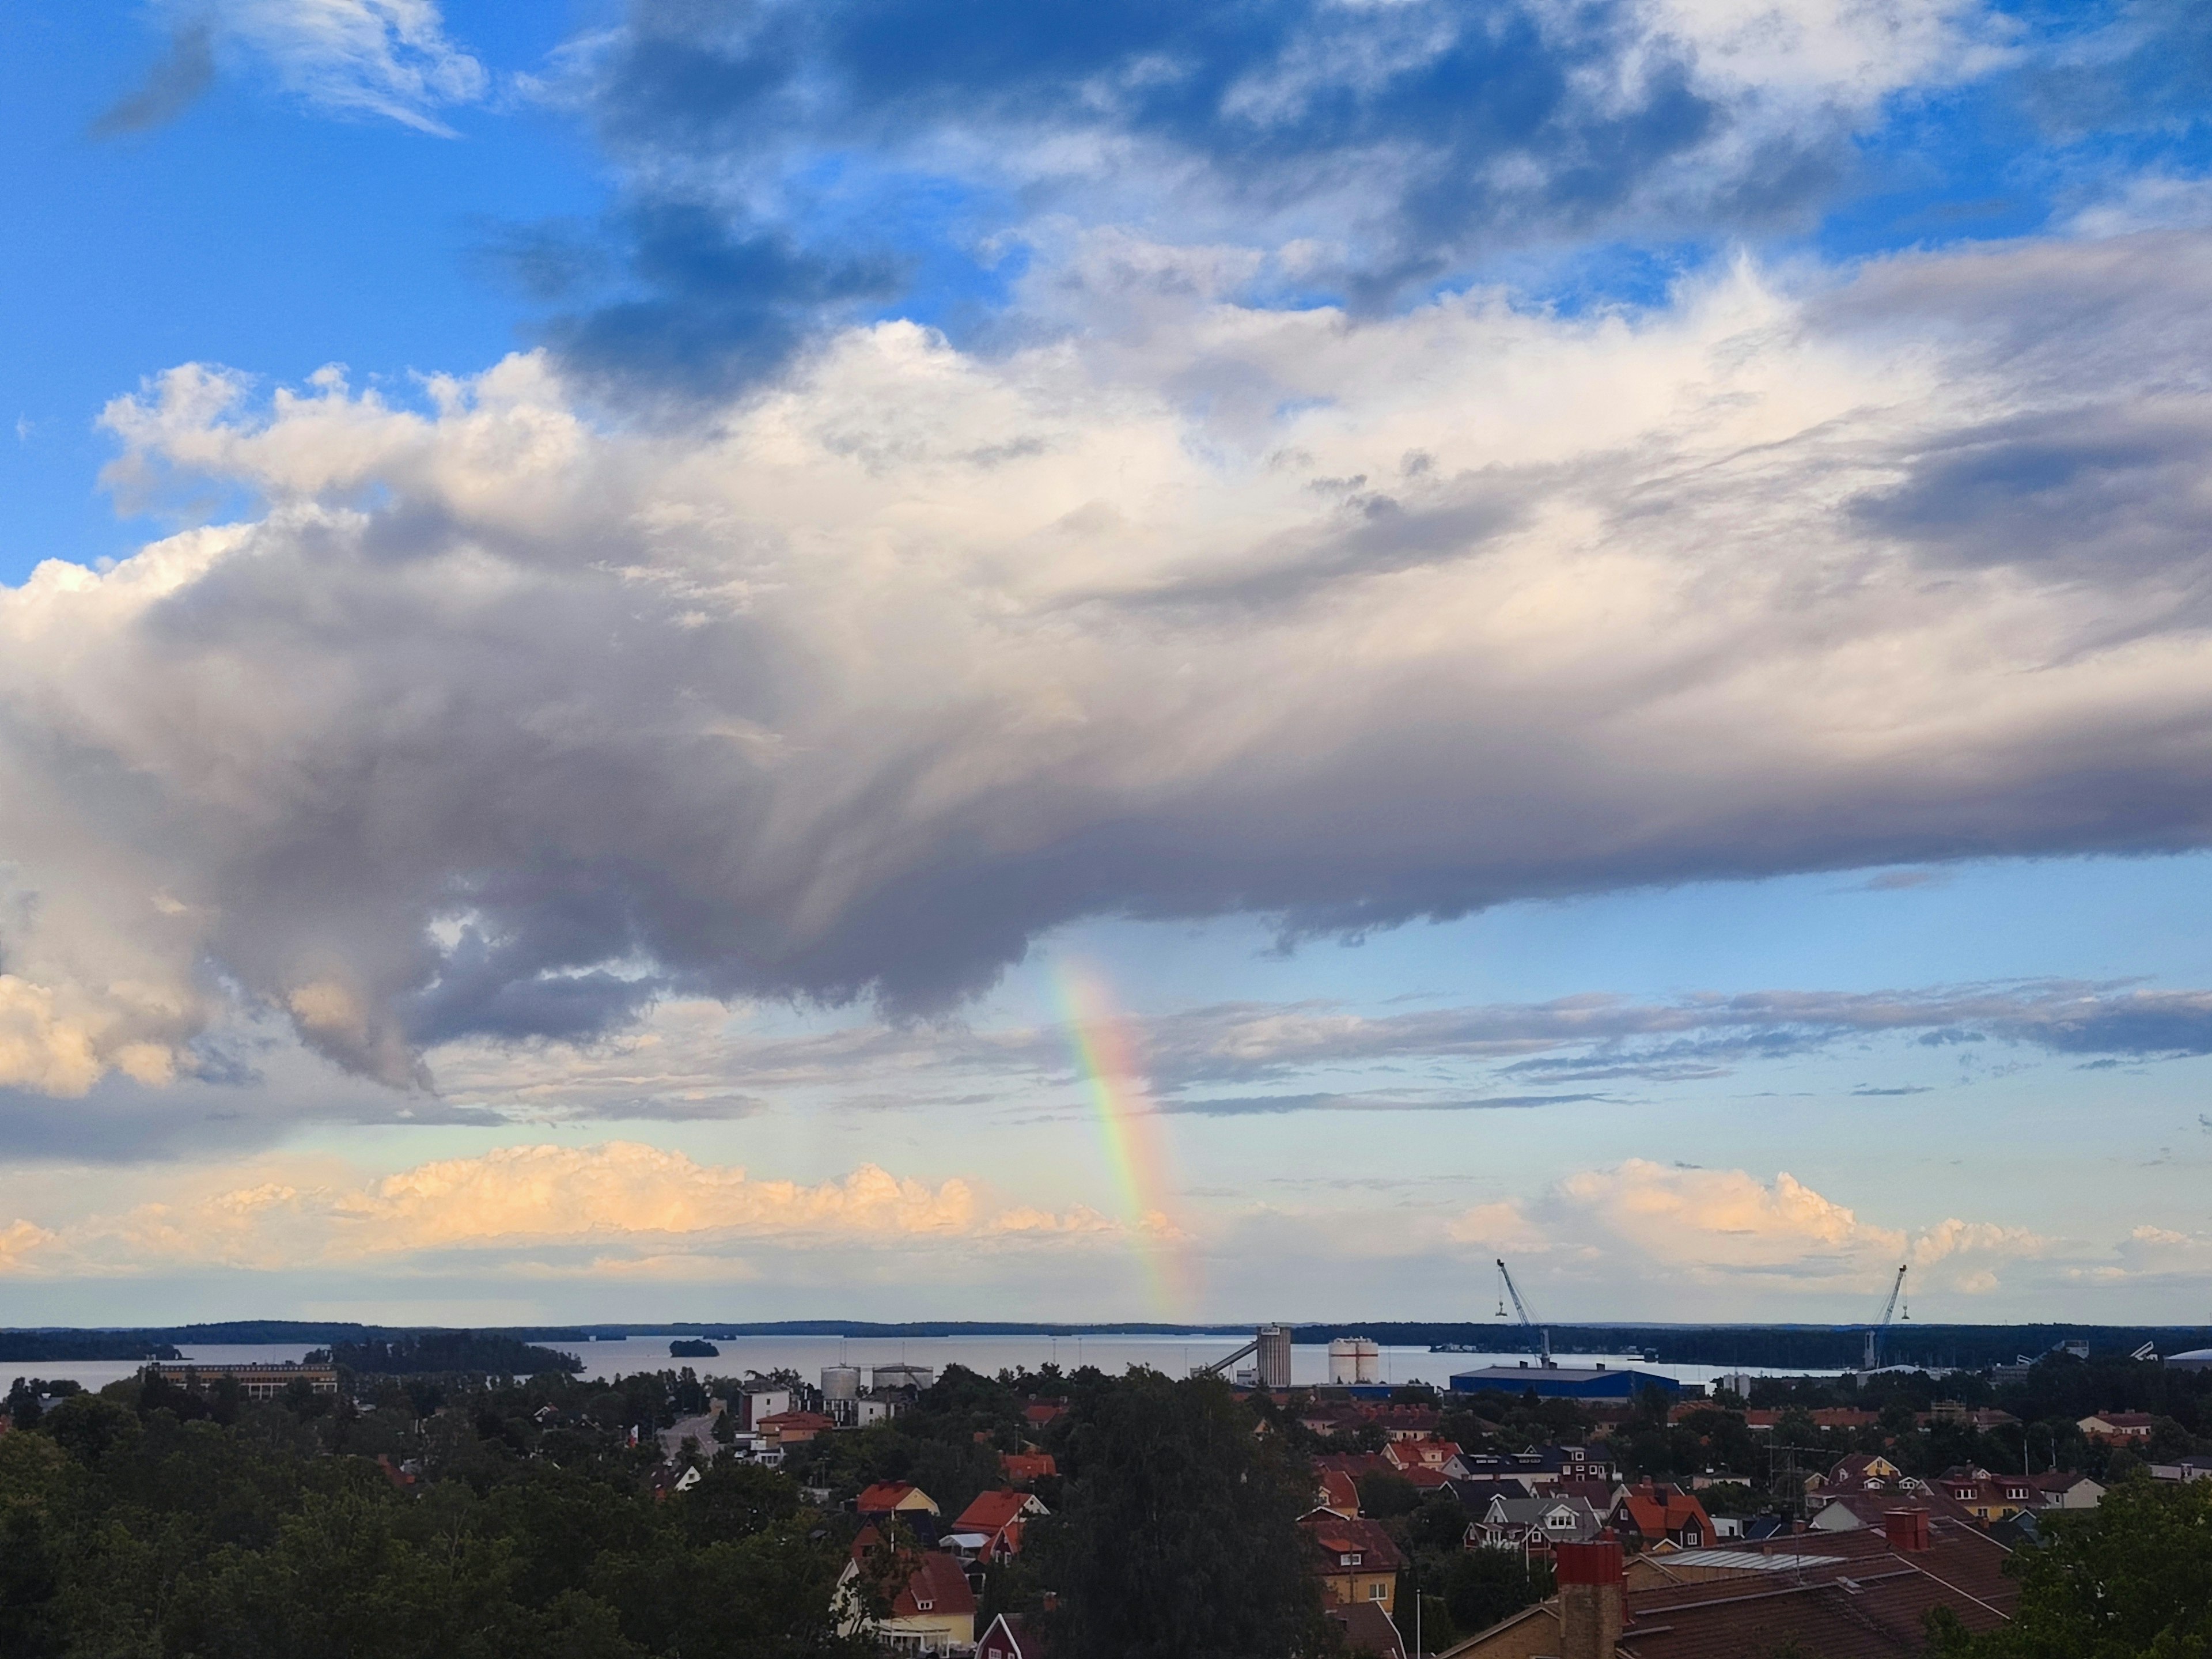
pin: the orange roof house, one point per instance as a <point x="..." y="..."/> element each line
<point x="1022" y="1466"/>
<point x="1649" y="1513"/>
<point x="894" y="1498"/>
<point x="996" y="1518"/>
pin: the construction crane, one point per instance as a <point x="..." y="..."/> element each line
<point x="1507" y="1288"/>
<point x="1875" y="1330"/>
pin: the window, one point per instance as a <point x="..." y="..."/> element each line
<point x="920" y="1606"/>
<point x="1377" y="1590"/>
<point x="1559" y="1518"/>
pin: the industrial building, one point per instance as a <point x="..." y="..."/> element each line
<point x="1563" y="1382"/>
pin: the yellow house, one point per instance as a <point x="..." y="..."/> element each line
<point x="1355" y="1559"/>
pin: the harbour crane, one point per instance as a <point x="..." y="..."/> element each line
<point x="1875" y="1331"/>
<point x="1507" y="1288"/>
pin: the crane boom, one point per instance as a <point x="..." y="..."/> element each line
<point x="1875" y="1331"/>
<point x="1521" y="1308"/>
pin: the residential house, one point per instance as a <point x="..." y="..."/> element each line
<point x="1988" y="1497"/>
<point x="1368" y="1632"/>
<point x="2183" y="1468"/>
<point x="1866" y="1594"/>
<point x="669" y="1478"/>
<point x="2063" y="1489"/>
<point x="1010" y="1636"/>
<point x="990" y="1529"/>
<point x="1852" y="1511"/>
<point x="784" y="1430"/>
<point x="1039" y="1412"/>
<point x="1336" y="1492"/>
<point x="932" y="1609"/>
<point x="1022" y="1466"/>
<point x="1356" y="1560"/>
<point x="1536" y="1525"/>
<point x="2116" y="1428"/>
<point x="1864" y="1471"/>
<point x="893" y="1498"/>
<point x="1439" y="1456"/>
<point x="1539" y="1467"/>
<point x="1650" y="1514"/>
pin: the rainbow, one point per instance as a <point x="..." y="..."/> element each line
<point x="1121" y="1104"/>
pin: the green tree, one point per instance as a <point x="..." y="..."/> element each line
<point x="1179" y="1537"/>
<point x="2130" y="1579"/>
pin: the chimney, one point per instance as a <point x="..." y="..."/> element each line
<point x="1591" y="1610"/>
<point x="1907" y="1529"/>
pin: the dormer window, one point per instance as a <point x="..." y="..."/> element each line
<point x="920" y="1606"/>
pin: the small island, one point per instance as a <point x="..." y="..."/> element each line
<point x="691" y="1347"/>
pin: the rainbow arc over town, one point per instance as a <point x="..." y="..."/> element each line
<point x="1129" y="1131"/>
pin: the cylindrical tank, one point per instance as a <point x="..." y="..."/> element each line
<point x="1274" y="1356"/>
<point x="1343" y="1362"/>
<point x="841" y="1382"/>
<point x="1354" y="1359"/>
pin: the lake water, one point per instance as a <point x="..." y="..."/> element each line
<point x="807" y="1355"/>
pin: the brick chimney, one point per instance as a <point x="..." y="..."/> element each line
<point x="1591" y="1610"/>
<point x="1907" y="1529"/>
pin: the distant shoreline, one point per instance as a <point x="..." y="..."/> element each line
<point x="1710" y="1343"/>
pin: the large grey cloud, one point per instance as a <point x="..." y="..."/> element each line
<point x="494" y="723"/>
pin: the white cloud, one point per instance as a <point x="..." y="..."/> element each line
<point x="495" y="724"/>
<point x="1639" y="1221"/>
<point x="387" y="57"/>
<point x="614" y="1207"/>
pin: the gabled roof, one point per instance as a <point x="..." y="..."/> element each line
<point x="1338" y="1493"/>
<point x="1013" y="1636"/>
<point x="890" y="1497"/>
<point x="1655" y="1511"/>
<point x="938" y="1580"/>
<point x="1027" y="1465"/>
<point x="1367" y="1629"/>
<point x="1336" y="1537"/>
<point x="992" y="1511"/>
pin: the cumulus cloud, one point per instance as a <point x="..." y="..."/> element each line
<point x="1729" y="1228"/>
<point x="495" y="724"/>
<point x="576" y="1208"/>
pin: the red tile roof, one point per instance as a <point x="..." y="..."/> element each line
<point x="1661" y="1510"/>
<point x="938" y="1581"/>
<point x="1336" y="1537"/>
<point x="885" y="1496"/>
<point x="1338" y="1493"/>
<point x="991" y="1510"/>
<point x="1027" y="1465"/>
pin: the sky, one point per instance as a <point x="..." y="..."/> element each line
<point x="900" y="659"/>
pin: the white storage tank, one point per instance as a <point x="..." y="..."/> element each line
<point x="1354" y="1359"/>
<point x="841" y="1382"/>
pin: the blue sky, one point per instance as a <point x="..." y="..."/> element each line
<point x="1585" y="620"/>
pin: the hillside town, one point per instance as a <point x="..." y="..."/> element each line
<point x="1537" y="1510"/>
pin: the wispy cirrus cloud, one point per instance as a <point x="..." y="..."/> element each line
<point x="388" y="58"/>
